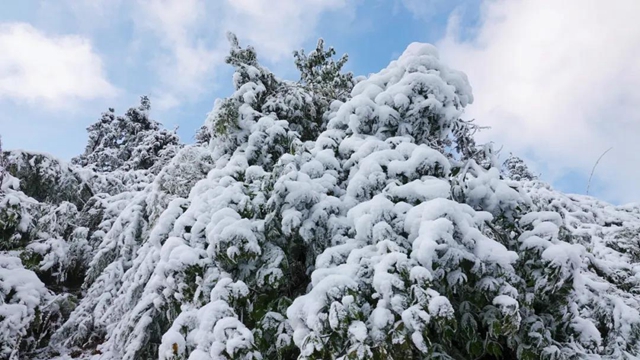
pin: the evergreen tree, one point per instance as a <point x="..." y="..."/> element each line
<point x="129" y="142"/>
<point x="516" y="169"/>
<point x="322" y="78"/>
<point x="326" y="218"/>
<point x="54" y="216"/>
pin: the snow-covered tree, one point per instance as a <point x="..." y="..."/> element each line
<point x="324" y="218"/>
<point x="29" y="311"/>
<point x="55" y="216"/>
<point x="17" y="212"/>
<point x="21" y="296"/>
<point x="322" y="78"/>
<point x="46" y="179"/>
<point x="129" y="142"/>
<point x="516" y="169"/>
<point x="258" y="92"/>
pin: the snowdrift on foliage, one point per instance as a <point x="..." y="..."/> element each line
<point x="329" y="218"/>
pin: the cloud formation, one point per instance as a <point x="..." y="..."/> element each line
<point x="277" y="28"/>
<point x="557" y="81"/>
<point x="54" y="71"/>
<point x="190" y="51"/>
<point x="192" y="33"/>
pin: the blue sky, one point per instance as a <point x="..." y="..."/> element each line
<point x="555" y="80"/>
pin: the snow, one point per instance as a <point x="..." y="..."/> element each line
<point x="344" y="218"/>
<point x="358" y="331"/>
<point x="21" y="295"/>
<point x="440" y="307"/>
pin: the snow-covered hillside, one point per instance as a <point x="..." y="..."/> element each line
<point x="333" y="217"/>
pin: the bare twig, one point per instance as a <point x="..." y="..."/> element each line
<point x="594" y="169"/>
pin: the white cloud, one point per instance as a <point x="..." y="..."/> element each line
<point x="276" y="28"/>
<point x="173" y="19"/>
<point x="558" y="80"/>
<point x="191" y="54"/>
<point x="51" y="70"/>
<point x="192" y="33"/>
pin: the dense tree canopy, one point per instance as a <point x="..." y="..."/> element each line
<point x="331" y="217"/>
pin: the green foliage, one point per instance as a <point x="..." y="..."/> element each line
<point x="15" y="225"/>
<point x="227" y="118"/>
